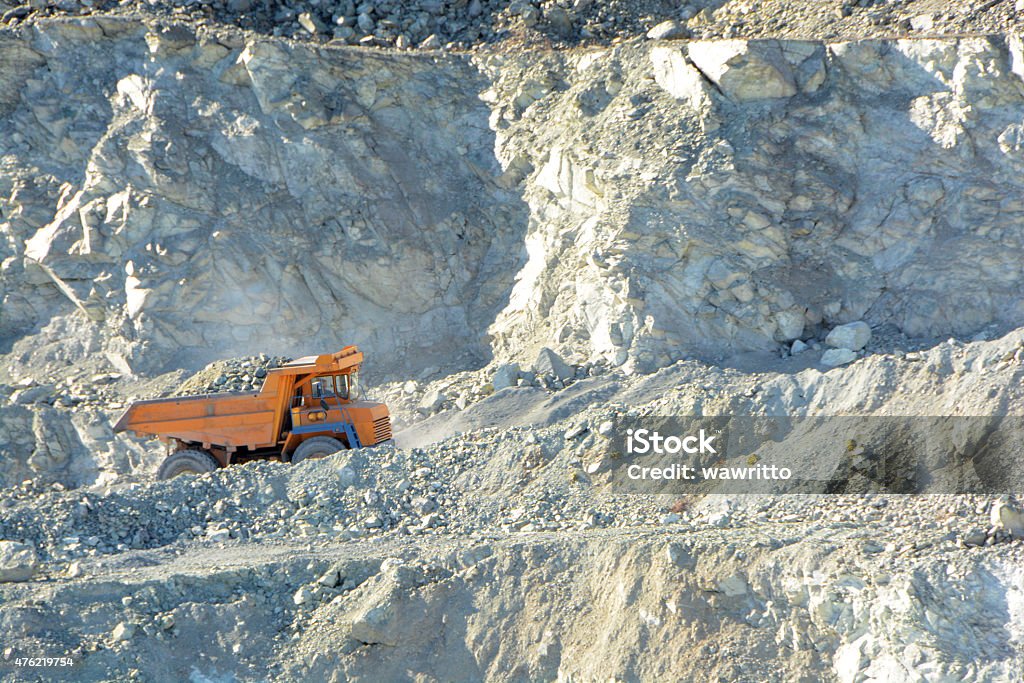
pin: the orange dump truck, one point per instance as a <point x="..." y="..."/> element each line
<point x="307" y="408"/>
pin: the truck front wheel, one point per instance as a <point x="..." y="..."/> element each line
<point x="188" y="461"/>
<point x="317" y="447"/>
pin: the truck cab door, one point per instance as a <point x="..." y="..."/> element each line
<point x="309" y="403"/>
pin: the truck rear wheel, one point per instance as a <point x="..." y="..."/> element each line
<point x="317" y="447"/>
<point x="188" y="461"/>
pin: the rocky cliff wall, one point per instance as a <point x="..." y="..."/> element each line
<point x="185" y="197"/>
<point x="190" y="196"/>
<point x="711" y="197"/>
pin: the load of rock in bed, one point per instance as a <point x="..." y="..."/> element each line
<point x="234" y="374"/>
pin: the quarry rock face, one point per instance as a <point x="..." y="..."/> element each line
<point x="178" y="196"/>
<point x="205" y="195"/>
<point x="700" y="213"/>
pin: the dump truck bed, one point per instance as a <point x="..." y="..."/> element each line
<point x="230" y="419"/>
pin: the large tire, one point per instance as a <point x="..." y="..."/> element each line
<point x="188" y="461"/>
<point x="317" y="447"/>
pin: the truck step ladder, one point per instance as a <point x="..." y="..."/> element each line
<point x="349" y="428"/>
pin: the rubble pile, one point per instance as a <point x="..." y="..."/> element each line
<point x="236" y="374"/>
<point x="468" y="24"/>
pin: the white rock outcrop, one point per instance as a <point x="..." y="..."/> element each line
<point x="1008" y="516"/>
<point x="792" y="198"/>
<point x="632" y="205"/>
<point x="205" y="197"/>
<point x="745" y="70"/>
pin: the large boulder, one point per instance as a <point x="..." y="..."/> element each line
<point x="836" y="357"/>
<point x="852" y="336"/>
<point x="668" y="30"/>
<point x="1007" y="515"/>
<point x="550" y="363"/>
<point x="745" y="70"/>
<point x="505" y="376"/>
<point x="431" y="402"/>
<point x="18" y="561"/>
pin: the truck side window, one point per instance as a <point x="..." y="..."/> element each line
<point x="343" y="386"/>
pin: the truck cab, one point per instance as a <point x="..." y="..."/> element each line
<point x="317" y="397"/>
<point x="323" y="405"/>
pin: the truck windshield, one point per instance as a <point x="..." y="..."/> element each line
<point x="322" y="386"/>
<point x="331" y="386"/>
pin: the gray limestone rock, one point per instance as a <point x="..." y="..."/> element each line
<point x="667" y="30"/>
<point x="505" y="376"/>
<point x="853" y="336"/>
<point x="836" y="357"/>
<point x="550" y="363"/>
<point x="18" y="561"/>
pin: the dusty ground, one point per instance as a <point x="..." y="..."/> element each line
<point x="761" y="597"/>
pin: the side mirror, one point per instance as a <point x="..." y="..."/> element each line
<point x="323" y="404"/>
